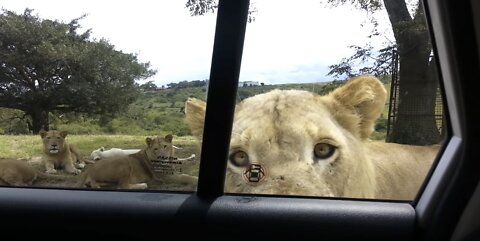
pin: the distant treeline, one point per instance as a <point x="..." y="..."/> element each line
<point x="151" y="86"/>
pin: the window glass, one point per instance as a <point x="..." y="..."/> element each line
<point x="109" y="83"/>
<point x="334" y="102"/>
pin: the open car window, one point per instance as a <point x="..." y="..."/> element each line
<point x="83" y="87"/>
<point x="363" y="121"/>
<point x="330" y="115"/>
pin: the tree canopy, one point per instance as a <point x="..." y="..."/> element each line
<point x="48" y="65"/>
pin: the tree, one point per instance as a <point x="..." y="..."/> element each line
<point x="415" y="121"/>
<point x="47" y="66"/>
<point x="201" y="7"/>
<point x="149" y="86"/>
<point x="418" y="86"/>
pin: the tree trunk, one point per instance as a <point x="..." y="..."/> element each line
<point x="39" y="119"/>
<point x="415" y="120"/>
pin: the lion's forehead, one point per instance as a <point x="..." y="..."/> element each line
<point x="289" y="127"/>
<point x="159" y="144"/>
<point x="279" y="101"/>
<point x="282" y="107"/>
<point x="53" y="134"/>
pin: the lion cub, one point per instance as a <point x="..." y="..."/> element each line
<point x="131" y="171"/>
<point x="57" y="153"/>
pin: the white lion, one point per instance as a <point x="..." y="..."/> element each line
<point x="294" y="142"/>
<point x="101" y="153"/>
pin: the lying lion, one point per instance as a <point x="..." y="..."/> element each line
<point x="294" y="142"/>
<point x="19" y="173"/>
<point x="134" y="170"/>
<point x="102" y="153"/>
<point x="58" y="153"/>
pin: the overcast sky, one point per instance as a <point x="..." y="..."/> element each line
<point x="289" y="42"/>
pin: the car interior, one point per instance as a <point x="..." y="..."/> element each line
<point x="447" y="207"/>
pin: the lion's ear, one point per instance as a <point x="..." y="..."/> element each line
<point x="63" y="134"/>
<point x="366" y="96"/>
<point x="149" y="141"/>
<point x="102" y="148"/>
<point x="42" y="133"/>
<point x="195" y="115"/>
<point x="169" y="138"/>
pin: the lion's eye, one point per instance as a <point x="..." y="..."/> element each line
<point x="323" y="150"/>
<point x="239" y="159"/>
<point x="164" y="146"/>
<point x="155" y="149"/>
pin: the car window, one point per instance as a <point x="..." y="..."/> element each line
<point x="92" y="97"/>
<point x="331" y="106"/>
<point x="319" y="112"/>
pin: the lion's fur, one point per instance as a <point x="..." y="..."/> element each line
<point x="18" y="173"/>
<point x="58" y="153"/>
<point x="132" y="171"/>
<point x="279" y="130"/>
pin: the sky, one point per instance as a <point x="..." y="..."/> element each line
<point x="289" y="41"/>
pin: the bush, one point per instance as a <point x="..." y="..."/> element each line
<point x="84" y="128"/>
<point x="123" y="126"/>
<point x="16" y="127"/>
<point x="381" y="124"/>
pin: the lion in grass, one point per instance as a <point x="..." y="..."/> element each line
<point x="58" y="153"/>
<point x="19" y="173"/>
<point x="134" y="170"/>
<point x="293" y="142"/>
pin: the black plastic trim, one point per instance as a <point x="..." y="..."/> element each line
<point x="452" y="24"/>
<point x="222" y="92"/>
<point x="144" y="216"/>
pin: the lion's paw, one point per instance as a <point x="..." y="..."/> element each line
<point x="76" y="171"/>
<point x="51" y="171"/>
<point x="81" y="165"/>
<point x="142" y="186"/>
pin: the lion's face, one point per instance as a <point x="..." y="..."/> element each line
<point x="294" y="142"/>
<point x="279" y="147"/>
<point x="95" y="155"/>
<point x="159" y="148"/>
<point x="53" y="141"/>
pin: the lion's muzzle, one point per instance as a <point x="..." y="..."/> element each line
<point x="53" y="149"/>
